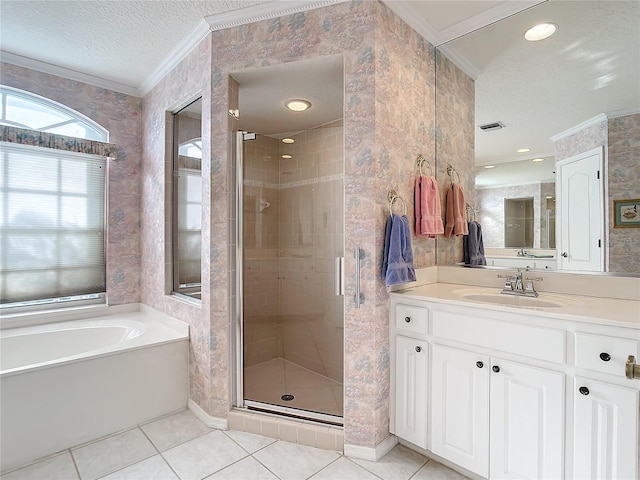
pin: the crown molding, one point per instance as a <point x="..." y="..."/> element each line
<point x="264" y="11"/>
<point x="601" y="117"/>
<point x="494" y="14"/>
<point x="175" y="57"/>
<point x="622" y="113"/>
<point x="407" y="12"/>
<point x="460" y="61"/>
<point x="44" y="67"/>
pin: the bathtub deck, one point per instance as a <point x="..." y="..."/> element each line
<point x="180" y="446"/>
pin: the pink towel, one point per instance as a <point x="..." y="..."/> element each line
<point x="456" y="216"/>
<point x="427" y="208"/>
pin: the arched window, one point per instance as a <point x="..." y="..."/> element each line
<point x="27" y="110"/>
<point x="52" y="209"/>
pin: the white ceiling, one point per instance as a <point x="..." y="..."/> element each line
<point x="129" y="45"/>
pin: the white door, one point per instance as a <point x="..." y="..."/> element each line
<point x="581" y="212"/>
<point x="411" y="390"/>
<point x="605" y="431"/>
<point x="460" y="408"/>
<point x="526" y="421"/>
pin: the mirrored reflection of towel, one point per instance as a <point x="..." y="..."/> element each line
<point x="474" y="246"/>
<point x="427" y="207"/>
<point x="397" y="260"/>
<point x="456" y="221"/>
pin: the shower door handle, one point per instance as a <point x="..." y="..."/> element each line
<point x="339" y="274"/>
<point x="358" y="297"/>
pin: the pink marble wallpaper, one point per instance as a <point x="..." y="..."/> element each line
<point x="189" y="80"/>
<point x="624" y="184"/>
<point x="455" y="137"/>
<point x="121" y="115"/>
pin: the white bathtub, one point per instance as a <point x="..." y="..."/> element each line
<point x="69" y="382"/>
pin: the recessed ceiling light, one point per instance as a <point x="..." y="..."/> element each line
<point x="489" y="166"/>
<point x="538" y="160"/>
<point x="540" y="32"/>
<point x="288" y="140"/>
<point x="286" y="156"/>
<point x="298" y="105"/>
<point x="523" y="150"/>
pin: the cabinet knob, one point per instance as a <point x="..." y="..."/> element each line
<point x="584" y="390"/>
<point x="605" y="357"/>
<point x="565" y="254"/>
<point x="479" y="364"/>
<point x="496" y="368"/>
<point x="407" y="319"/>
<point x="418" y="349"/>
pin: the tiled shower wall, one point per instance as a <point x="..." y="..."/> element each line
<point x="491" y="213"/>
<point x="262" y="331"/>
<point x="291" y="310"/>
<point x="311" y="236"/>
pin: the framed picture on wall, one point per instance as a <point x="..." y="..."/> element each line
<point x="626" y="213"/>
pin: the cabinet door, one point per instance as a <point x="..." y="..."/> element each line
<point x="605" y="431"/>
<point x="460" y="407"/>
<point x="526" y="421"/>
<point x="411" y="390"/>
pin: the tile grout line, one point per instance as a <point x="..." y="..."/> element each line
<point x="135" y="463"/>
<point x="362" y="466"/>
<point x="160" y="453"/>
<point x="259" y="450"/>
<point x="75" y="465"/>
<point x="427" y="460"/>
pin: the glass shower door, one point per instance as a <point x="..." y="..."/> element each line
<point x="292" y="233"/>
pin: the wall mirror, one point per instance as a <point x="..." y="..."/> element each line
<point x="187" y="199"/>
<point x="537" y="90"/>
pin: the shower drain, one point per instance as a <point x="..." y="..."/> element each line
<point x="287" y="397"/>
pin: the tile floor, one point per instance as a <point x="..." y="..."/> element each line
<point x="181" y="447"/>
<point x="268" y="381"/>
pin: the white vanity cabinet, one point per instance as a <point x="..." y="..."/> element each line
<point x="509" y="393"/>
<point x="493" y="416"/>
<point x="605" y="419"/>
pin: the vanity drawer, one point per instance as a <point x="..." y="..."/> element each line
<point x="527" y="340"/>
<point x="411" y="318"/>
<point x="604" y="354"/>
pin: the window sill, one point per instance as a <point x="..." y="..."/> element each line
<point x="27" y="319"/>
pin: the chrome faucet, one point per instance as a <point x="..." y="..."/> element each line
<point x="521" y="253"/>
<point x="518" y="285"/>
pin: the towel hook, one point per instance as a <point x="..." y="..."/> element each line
<point x="393" y="196"/>
<point x="471" y="212"/>
<point x="420" y="161"/>
<point x="451" y="171"/>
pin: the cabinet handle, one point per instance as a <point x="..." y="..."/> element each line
<point x="407" y="319"/>
<point x="584" y="390"/>
<point x="479" y="364"/>
<point x="418" y="349"/>
<point x="496" y="368"/>
<point x="631" y="370"/>
<point x="605" y="357"/>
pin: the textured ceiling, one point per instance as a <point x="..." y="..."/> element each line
<point x="589" y="67"/>
<point x="121" y="41"/>
<point x="540" y="89"/>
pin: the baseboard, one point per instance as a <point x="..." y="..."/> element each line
<point x="208" y="420"/>
<point x="368" y="453"/>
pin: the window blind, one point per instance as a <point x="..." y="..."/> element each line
<point x="52" y="223"/>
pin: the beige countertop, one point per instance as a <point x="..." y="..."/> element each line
<point x="603" y="311"/>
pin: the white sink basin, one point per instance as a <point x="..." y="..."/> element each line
<point x="511" y="300"/>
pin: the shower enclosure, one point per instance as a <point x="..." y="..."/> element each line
<point x="292" y="242"/>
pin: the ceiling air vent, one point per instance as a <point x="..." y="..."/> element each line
<point x="487" y="127"/>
